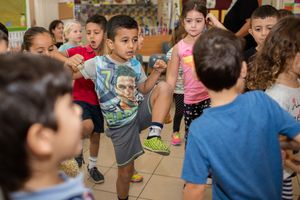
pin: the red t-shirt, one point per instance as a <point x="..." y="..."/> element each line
<point x="84" y="90"/>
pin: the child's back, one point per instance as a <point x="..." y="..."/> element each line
<point x="236" y="140"/>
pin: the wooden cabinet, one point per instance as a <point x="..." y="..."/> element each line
<point x="153" y="44"/>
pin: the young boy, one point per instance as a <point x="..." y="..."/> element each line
<point x="129" y="100"/>
<point x="84" y="94"/>
<point x="238" y="143"/>
<point x="261" y="22"/>
<point x="40" y="128"/>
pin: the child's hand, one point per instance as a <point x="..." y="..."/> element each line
<point x="75" y="62"/>
<point x="160" y="66"/>
<point x="213" y="21"/>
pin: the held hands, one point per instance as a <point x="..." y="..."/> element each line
<point x="75" y="62"/>
<point x="160" y="66"/>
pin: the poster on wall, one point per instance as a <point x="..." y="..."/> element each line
<point x="13" y="14"/>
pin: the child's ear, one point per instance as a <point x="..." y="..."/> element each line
<point x="243" y="73"/>
<point x="110" y="44"/>
<point x="39" y="140"/>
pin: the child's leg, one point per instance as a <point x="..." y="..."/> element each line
<point x="160" y="102"/>
<point x="123" y="181"/>
<point x="191" y="112"/>
<point x="179" y="107"/>
<point x="176" y="140"/>
<point x="98" y="123"/>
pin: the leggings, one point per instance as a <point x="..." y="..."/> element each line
<point x="179" y="107"/>
<point x="191" y="112"/>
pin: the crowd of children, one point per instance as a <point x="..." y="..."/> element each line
<point x="231" y="133"/>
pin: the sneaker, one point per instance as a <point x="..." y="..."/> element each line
<point x="79" y="159"/>
<point x="136" y="178"/>
<point x="96" y="175"/>
<point x="155" y="145"/>
<point x="176" y="141"/>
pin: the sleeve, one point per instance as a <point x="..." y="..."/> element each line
<point x="141" y="73"/>
<point x="284" y="122"/>
<point x="169" y="54"/>
<point x="89" y="69"/>
<point x="195" y="166"/>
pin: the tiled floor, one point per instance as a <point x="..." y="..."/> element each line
<point x="161" y="173"/>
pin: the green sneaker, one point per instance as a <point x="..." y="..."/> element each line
<point x="157" y="146"/>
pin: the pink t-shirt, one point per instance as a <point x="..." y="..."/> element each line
<point x="194" y="90"/>
<point x="84" y="90"/>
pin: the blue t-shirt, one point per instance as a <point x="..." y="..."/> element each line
<point x="238" y="143"/>
<point x="70" y="189"/>
<point x="116" y="86"/>
<point x="65" y="47"/>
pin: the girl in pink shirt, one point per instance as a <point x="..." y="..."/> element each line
<point x="196" y="97"/>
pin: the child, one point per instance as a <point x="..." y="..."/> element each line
<point x="3" y="39"/>
<point x="56" y="29"/>
<point x="121" y="85"/>
<point x="40" y="128"/>
<point x="85" y="96"/>
<point x="3" y="42"/>
<point x="261" y="22"/>
<point x="178" y="34"/>
<point x="37" y="40"/>
<point x="72" y="34"/>
<point x="196" y="98"/>
<point x="238" y="143"/>
<point x="276" y="70"/>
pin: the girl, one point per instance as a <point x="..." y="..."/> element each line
<point x="276" y="69"/>
<point x="179" y="33"/>
<point x="72" y="35"/>
<point x="56" y="29"/>
<point x="195" y="94"/>
<point x="38" y="40"/>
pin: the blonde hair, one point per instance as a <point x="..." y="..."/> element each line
<point x="68" y="28"/>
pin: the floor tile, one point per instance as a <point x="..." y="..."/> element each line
<point x="110" y="183"/>
<point x="163" y="188"/>
<point x="170" y="166"/>
<point x="103" y="195"/>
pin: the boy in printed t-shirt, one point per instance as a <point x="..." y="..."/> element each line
<point x="130" y="101"/>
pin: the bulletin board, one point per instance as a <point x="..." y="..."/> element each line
<point x="218" y="8"/>
<point x="13" y="14"/>
<point x="66" y="10"/>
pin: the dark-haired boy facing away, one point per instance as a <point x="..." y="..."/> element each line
<point x="121" y="85"/>
<point x="239" y="142"/>
<point x="261" y="22"/>
<point x="40" y="127"/>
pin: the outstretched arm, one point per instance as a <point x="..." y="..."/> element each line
<point x="172" y="70"/>
<point x="159" y="67"/>
<point x="193" y="191"/>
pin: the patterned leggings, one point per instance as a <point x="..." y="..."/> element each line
<point x="191" y="112"/>
<point x="179" y="107"/>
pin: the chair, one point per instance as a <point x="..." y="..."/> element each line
<point x="165" y="47"/>
<point x="155" y="57"/>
